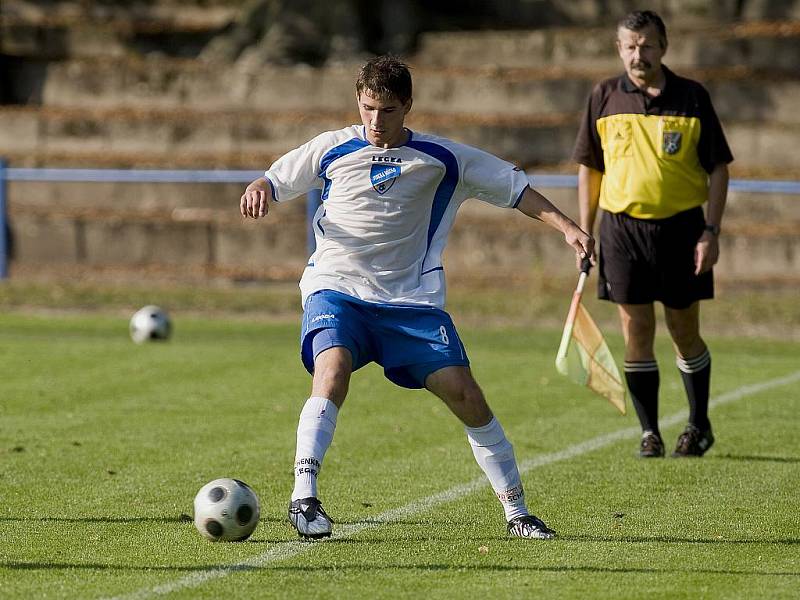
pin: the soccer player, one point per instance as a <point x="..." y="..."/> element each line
<point x="651" y="151"/>
<point x="374" y="289"/>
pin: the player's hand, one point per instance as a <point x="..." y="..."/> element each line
<point x="254" y="202"/>
<point x="706" y="253"/>
<point x="580" y="257"/>
<point x="583" y="244"/>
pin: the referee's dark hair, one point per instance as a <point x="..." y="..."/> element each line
<point x="639" y="19"/>
<point x="385" y="76"/>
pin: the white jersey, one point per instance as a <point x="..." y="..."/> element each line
<point x="386" y="212"/>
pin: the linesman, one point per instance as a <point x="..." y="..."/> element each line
<point x="651" y="152"/>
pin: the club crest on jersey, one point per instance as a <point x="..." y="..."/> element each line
<point x="672" y="142"/>
<point x="383" y="177"/>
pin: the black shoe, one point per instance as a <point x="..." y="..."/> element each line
<point x="693" y="442"/>
<point x="309" y="518"/>
<point x="651" y="445"/>
<point x="530" y="527"/>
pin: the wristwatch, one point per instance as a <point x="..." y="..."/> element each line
<point x="712" y="228"/>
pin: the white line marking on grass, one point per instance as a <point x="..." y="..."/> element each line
<point x="286" y="550"/>
<point x="673" y="419"/>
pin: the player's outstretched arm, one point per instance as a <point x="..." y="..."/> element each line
<point x="538" y="207"/>
<point x="254" y="202"/>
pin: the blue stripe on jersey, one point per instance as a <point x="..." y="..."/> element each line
<point x="319" y="222"/>
<point x="446" y="187"/>
<point x="432" y="270"/>
<point x="519" y="198"/>
<point x="271" y="187"/>
<point x="331" y="155"/>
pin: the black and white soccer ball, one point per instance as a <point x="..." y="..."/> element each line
<point x="226" y="510"/>
<point x="150" y="323"/>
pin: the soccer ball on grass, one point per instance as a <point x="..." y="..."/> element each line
<point x="226" y="510"/>
<point x="150" y="323"/>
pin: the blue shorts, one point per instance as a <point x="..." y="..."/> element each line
<point x="409" y="342"/>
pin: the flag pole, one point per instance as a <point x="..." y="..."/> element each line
<point x="573" y="311"/>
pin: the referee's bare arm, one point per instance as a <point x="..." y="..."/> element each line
<point x="536" y="206"/>
<point x="589" y="181"/>
<point x="255" y="200"/>
<point x="706" y="252"/>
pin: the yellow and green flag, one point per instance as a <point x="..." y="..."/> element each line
<point x="583" y="354"/>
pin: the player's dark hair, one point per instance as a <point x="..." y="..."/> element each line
<point x="639" y="19"/>
<point x="385" y="76"/>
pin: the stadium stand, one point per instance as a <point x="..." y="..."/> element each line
<point x="133" y="85"/>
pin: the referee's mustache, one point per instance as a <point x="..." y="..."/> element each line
<point x="640" y="64"/>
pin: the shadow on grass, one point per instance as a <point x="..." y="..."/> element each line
<point x="372" y="567"/>
<point x="347" y="540"/>
<point x="178" y="519"/>
<point x="746" y="458"/>
<point x="44" y="566"/>
<point x="370" y="521"/>
<point x="438" y="537"/>
<point x="665" y="539"/>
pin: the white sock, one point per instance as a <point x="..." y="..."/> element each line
<point x="314" y="435"/>
<point x="495" y="456"/>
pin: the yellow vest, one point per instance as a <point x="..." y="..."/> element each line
<point x="652" y="167"/>
<point x="655" y="153"/>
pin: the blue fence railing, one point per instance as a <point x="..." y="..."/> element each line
<point x="7" y="174"/>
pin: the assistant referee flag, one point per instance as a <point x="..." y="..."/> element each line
<point x="583" y="355"/>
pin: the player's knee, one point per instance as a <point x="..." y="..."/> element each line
<point x="475" y="410"/>
<point x="459" y="390"/>
<point x="472" y="395"/>
<point x="331" y="376"/>
<point x="332" y="370"/>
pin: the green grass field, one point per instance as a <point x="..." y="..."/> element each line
<point x="103" y="445"/>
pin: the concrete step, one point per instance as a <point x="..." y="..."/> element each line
<point x="509" y="14"/>
<point x="122" y="13"/>
<point x="182" y="202"/>
<point x="540" y="13"/>
<point x="213" y="201"/>
<point x="711" y="34"/>
<point x="69" y="29"/>
<point x="65" y="28"/>
<point x="214" y="241"/>
<point x="771" y="45"/>
<point x="153" y="159"/>
<point x="126" y="131"/>
<point x="738" y="93"/>
<point x="746" y="211"/>
<point x="528" y="13"/>
<point x="248" y="141"/>
<point x="124" y="240"/>
<point x="174" y="135"/>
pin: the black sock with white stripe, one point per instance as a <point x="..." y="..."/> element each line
<point x="696" y="375"/>
<point x="643" y="380"/>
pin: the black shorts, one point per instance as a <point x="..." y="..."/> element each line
<point x="648" y="260"/>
